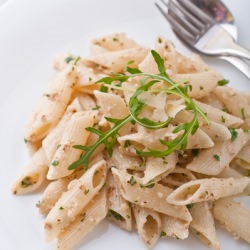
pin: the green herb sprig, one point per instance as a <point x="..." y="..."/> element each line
<point x="108" y="138"/>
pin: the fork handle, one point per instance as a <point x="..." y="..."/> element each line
<point x="222" y="43"/>
<point x="239" y="63"/>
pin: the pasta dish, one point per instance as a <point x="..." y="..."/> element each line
<point x="150" y="139"/>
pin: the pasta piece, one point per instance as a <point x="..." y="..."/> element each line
<point x="174" y="227"/>
<point x="86" y="76"/>
<point x="60" y="62"/>
<point x="178" y="177"/>
<point x="149" y="138"/>
<point x="86" y="102"/>
<point x="116" y="61"/>
<point x="219" y="116"/>
<point x="157" y="168"/>
<point x="33" y="175"/>
<point x="203" y="83"/>
<point x="109" y="103"/>
<point x="123" y="161"/>
<point x="199" y="140"/>
<point x="207" y="189"/>
<point x="231" y="172"/>
<point x="55" y="188"/>
<point x="216" y="131"/>
<point x="212" y="161"/>
<point x="74" y="200"/>
<point x="190" y="65"/>
<point x="33" y="147"/>
<point x="51" y="106"/>
<point x="152" y="196"/>
<point x="148" y="224"/>
<point x="167" y="50"/>
<point x="241" y="165"/>
<point x="52" y="141"/>
<point x="148" y="65"/>
<point x="235" y="103"/>
<point x="246" y="95"/>
<point x="108" y="106"/>
<point x="52" y="194"/>
<point x="114" y="42"/>
<point x="244" y="154"/>
<point x="119" y="209"/>
<point x="85" y="222"/>
<point x="233" y="216"/>
<point x="203" y="224"/>
<point x="66" y="154"/>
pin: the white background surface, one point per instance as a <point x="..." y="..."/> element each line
<point x="31" y="33"/>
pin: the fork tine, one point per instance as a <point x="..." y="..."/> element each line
<point x="197" y="12"/>
<point x="178" y="28"/>
<point x="196" y="22"/>
<point x="183" y="17"/>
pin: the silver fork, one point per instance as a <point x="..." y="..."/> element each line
<point x="199" y="31"/>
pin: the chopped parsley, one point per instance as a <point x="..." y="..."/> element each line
<point x="222" y="82"/>
<point x="115" y="215"/>
<point x="38" y="204"/>
<point x="86" y="191"/>
<point x="68" y="59"/>
<point x="115" y="39"/>
<point x="77" y="60"/>
<point x="189" y="206"/>
<point x="96" y="107"/>
<point x="163" y="234"/>
<point x="132" y="181"/>
<point x="61" y="208"/>
<point x="243" y="113"/>
<point x="217" y="157"/>
<point x="26" y="182"/>
<point x="223" y="119"/>
<point x="176" y="237"/>
<point x="234" y="133"/>
<point x="55" y="163"/>
<point x="150" y="184"/>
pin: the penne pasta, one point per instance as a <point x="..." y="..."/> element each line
<point x="65" y="153"/>
<point x="144" y="196"/>
<point x="233" y="216"/>
<point x="148" y="224"/>
<point x="85" y="222"/>
<point x="119" y="208"/>
<point x="33" y="175"/>
<point x="207" y="189"/>
<point x="203" y="224"/>
<point x="51" y="106"/>
<point x="174" y="227"/>
<point x="72" y="202"/>
<point x="220" y="155"/>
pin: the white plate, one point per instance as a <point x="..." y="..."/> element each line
<point x="31" y="33"/>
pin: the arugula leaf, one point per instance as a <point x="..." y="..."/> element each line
<point x="108" y="138"/>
